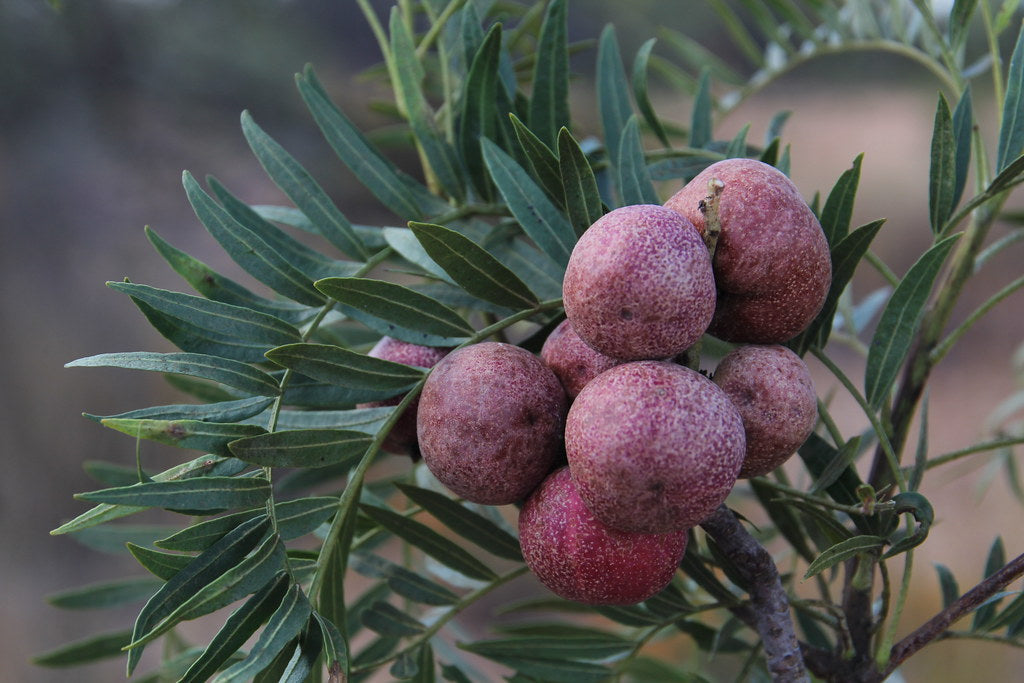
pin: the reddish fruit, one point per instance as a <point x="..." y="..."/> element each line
<point x="572" y="360"/>
<point x="772" y="264"/>
<point x="581" y="559"/>
<point x="771" y="388"/>
<point x="639" y="284"/>
<point x="490" y="422"/>
<point x="653" y="446"/>
<point x="402" y="438"/>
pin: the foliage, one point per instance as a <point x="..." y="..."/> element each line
<point x="290" y="494"/>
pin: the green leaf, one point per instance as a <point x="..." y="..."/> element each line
<point x="237" y="629"/>
<point x="217" y="287"/>
<point x="346" y="368"/>
<point x="643" y="100"/>
<point x="106" y="594"/>
<point x="397" y="304"/>
<point x="466" y="523"/>
<point x="249" y="250"/>
<point x="963" y="128"/>
<point x="555" y="670"/>
<point x="993" y="563"/>
<point x="582" y="198"/>
<point x="738" y="145"/>
<point x="942" y="173"/>
<point x="408" y="584"/>
<point x="959" y="20"/>
<point x="302" y="448"/>
<point x="160" y="564"/>
<point x="899" y="321"/>
<point x="205" y="493"/>
<point x="388" y="620"/>
<point x="231" y="373"/>
<point x="301" y="188"/>
<point x="838" y="209"/>
<point x="473" y="268"/>
<point x="784" y="517"/>
<point x="697" y="57"/>
<point x="842" y="551"/>
<point x="91" y="649"/>
<point x="817" y="454"/>
<point x="432" y="543"/>
<point x="919" y="506"/>
<point x="542" y="160"/>
<point x="701" y="117"/>
<point x="404" y="242"/>
<point x="612" y="92"/>
<point x="395" y="190"/>
<point x="635" y="186"/>
<point x="549" y="100"/>
<point x="554" y="644"/>
<point x="835" y="469"/>
<point x="368" y="420"/>
<point x="1011" y="130"/>
<point x="479" y="106"/>
<point x="335" y="646"/>
<point x="203" y="569"/>
<point x="212" y="437"/>
<point x="539" y="218"/>
<point x="536" y="269"/>
<point x="947" y="583"/>
<point x="196" y="324"/>
<point x="284" y="624"/>
<point x="224" y="411"/>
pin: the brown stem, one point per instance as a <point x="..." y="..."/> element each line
<point x="965" y="604"/>
<point x="769" y="603"/>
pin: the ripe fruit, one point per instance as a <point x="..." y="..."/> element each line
<point x="639" y="284"/>
<point x="772" y="264"/>
<point x="771" y="388"/>
<point x="653" y="446"/>
<point x="402" y="438"/>
<point x="581" y="559"/>
<point x="490" y="422"/>
<point x="572" y="360"/>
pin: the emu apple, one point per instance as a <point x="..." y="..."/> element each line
<point x="639" y="284"/>
<point x="653" y="446"/>
<point x="573" y="362"/>
<point x="579" y="558"/>
<point x="490" y="422"/>
<point x="772" y="264"/>
<point x="772" y="389"/>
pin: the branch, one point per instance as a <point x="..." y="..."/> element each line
<point x="965" y="604"/>
<point x="769" y="603"/>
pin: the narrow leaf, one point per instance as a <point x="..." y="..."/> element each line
<point x="105" y="595"/>
<point x="582" y="198"/>
<point x="212" y="437"/>
<point x="335" y="647"/>
<point x="160" y="564"/>
<point x="388" y="620"/>
<point x="549" y="100"/>
<point x="899" y="321"/>
<point x="947" y="583"/>
<point x="224" y="411"/>
<point x="367" y="420"/>
<point x="566" y="644"/>
<point x="92" y="649"/>
<point x="1011" y="130"/>
<point x="302" y="448"/>
<point x="993" y="562"/>
<point x="643" y="101"/>
<point x="228" y="372"/>
<point x="472" y="267"/>
<point x="408" y="584"/>
<point x="838" y="209"/>
<point x="942" y="173"/>
<point x="844" y="458"/>
<point x="347" y="368"/>
<point x="842" y="551"/>
<point x="635" y="186"/>
<point x="963" y="128"/>
<point x="206" y="493"/>
<point x="612" y="92"/>
<point x="701" y="117"/>
<point x="479" y="106"/>
<point x="542" y="160"/>
<point x="555" y="670"/>
<point x="784" y="517"/>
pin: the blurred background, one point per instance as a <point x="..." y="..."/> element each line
<point x="103" y="103"/>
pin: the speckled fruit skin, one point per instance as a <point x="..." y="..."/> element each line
<point x="772" y="389"/>
<point x="402" y="438"/>
<point x="490" y="422"/>
<point x="772" y="263"/>
<point x="639" y="284"/>
<point x="653" y="446"/>
<point x="572" y="361"/>
<point x="579" y="558"/>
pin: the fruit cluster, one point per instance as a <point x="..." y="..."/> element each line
<point x="651" y="447"/>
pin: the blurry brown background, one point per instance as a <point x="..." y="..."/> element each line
<point x="103" y="104"/>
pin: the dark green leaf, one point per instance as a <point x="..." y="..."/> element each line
<point x="302" y="448"/>
<point x="917" y="505"/>
<point x="340" y="366"/>
<point x="694" y="566"/>
<point x="835" y="469"/>
<point x="1011" y="130"/>
<point x="963" y="128"/>
<point x="472" y="267"/>
<point x="368" y="420"/>
<point x="838" y="209"/>
<point x="539" y="218"/>
<point x="959" y="21"/>
<point x="711" y="639"/>
<point x="899" y="321"/>
<point x="404" y="242"/>
<point x="301" y="188"/>
<point x="784" y="517"/>
<point x="468" y="524"/>
<point x="628" y="615"/>
<point x="993" y="563"/>
<point x="405" y="665"/>
<point x="556" y="644"/>
<point x="817" y="454"/>
<point x="554" y="670"/>
<point x="842" y="551"/>
<point x="104" y="595"/>
<point x="943" y="172"/>
<point x="408" y="584"/>
<point x="224" y="411"/>
<point x="542" y="160"/>
<point x="212" y="437"/>
<point x="92" y="649"/>
<point x="535" y="268"/>
<point x="697" y="57"/>
<point x="947" y="582"/>
<point x="549" y="100"/>
<point x="205" y="493"/>
<point x="643" y="101"/>
<point x="479" y="105"/>
<point x="284" y="624"/>
<point x="1012" y="614"/>
<point x="388" y="620"/>
<point x="249" y="250"/>
<point x="612" y="92"/>
<point x="635" y="186"/>
<point x="582" y="199"/>
<point x="738" y="145"/>
<point x="335" y="646"/>
<point x="306" y="392"/>
<point x="397" y="304"/>
<point x="701" y="117"/>
<point x="432" y="543"/>
<point x="196" y="324"/>
<point x="160" y="564"/>
<point x="111" y="538"/>
<point x="369" y="235"/>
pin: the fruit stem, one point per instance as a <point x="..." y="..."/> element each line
<point x="712" y="219"/>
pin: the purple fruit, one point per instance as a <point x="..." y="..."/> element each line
<point x="772" y="264"/>
<point x="653" y="446"/>
<point x="402" y="438"/>
<point x="572" y="360"/>
<point x="639" y="284"/>
<point x="771" y="388"/>
<point x="579" y="558"/>
<point x="490" y="422"/>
